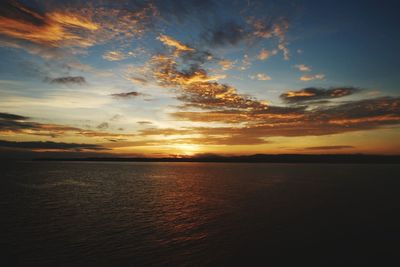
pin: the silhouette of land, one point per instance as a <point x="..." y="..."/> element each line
<point x="258" y="158"/>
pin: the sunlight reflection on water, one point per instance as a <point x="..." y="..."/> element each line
<point x="107" y="214"/>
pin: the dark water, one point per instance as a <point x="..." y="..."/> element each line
<point x="199" y="214"/>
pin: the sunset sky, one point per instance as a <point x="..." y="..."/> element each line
<point x="180" y="78"/>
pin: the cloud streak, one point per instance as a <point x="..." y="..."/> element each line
<point x="312" y="77"/>
<point x="328" y="147"/>
<point x="11" y="124"/>
<point x="132" y="94"/>
<point x="312" y="93"/>
<point x="67" y="80"/>
<point x="50" y="146"/>
<point x="302" y="67"/>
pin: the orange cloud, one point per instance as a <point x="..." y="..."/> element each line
<point x="265" y="54"/>
<point x="197" y="88"/>
<point x="169" y="41"/>
<point x="56" y="29"/>
<point x="311" y="93"/>
<point x="73" y="27"/>
<point x="226" y="64"/>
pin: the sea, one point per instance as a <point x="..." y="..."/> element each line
<point x="199" y="214"/>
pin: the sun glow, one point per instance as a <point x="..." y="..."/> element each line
<point x="186" y="149"/>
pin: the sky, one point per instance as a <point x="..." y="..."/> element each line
<point x="167" y="78"/>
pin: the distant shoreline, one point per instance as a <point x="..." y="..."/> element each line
<point x="260" y="158"/>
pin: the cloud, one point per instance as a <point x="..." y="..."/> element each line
<point x="73" y="25"/>
<point x="12" y="117"/>
<point x="267" y="30"/>
<point x="171" y="42"/>
<point x="246" y="63"/>
<point x="265" y="54"/>
<point x="181" y="10"/>
<point x="114" y="56"/>
<point x="144" y="122"/>
<point x="116" y="117"/>
<point x="360" y="115"/>
<point x="126" y="95"/>
<point x="270" y="115"/>
<point x="278" y="29"/>
<point x="226" y="64"/>
<point x="103" y="126"/>
<point x="49" y="146"/>
<point x="12" y="124"/>
<point x="56" y="28"/>
<point x="67" y="80"/>
<point x="302" y="67"/>
<point x="311" y="93"/>
<point x="137" y="80"/>
<point x="261" y="77"/>
<point x="228" y="33"/>
<point x="328" y="147"/>
<point x="197" y="88"/>
<point x="307" y="78"/>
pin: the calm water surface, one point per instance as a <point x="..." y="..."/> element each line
<point x="199" y="214"/>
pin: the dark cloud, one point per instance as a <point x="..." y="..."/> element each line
<point x="48" y="145"/>
<point x="126" y="95"/>
<point x="312" y="93"/>
<point x="228" y="33"/>
<point x="15" y="10"/>
<point x="180" y="10"/>
<point x="16" y="124"/>
<point x="384" y="108"/>
<point x="257" y="125"/>
<point x="67" y="80"/>
<point x="197" y="57"/>
<point x="103" y="126"/>
<point x="11" y="117"/>
<point x="328" y="147"/>
<point x="116" y="117"/>
<point x="144" y="122"/>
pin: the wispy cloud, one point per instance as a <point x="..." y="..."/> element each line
<point x="261" y="77"/>
<point x="226" y="64"/>
<point x="336" y="147"/>
<point x="11" y="124"/>
<point x="358" y="115"/>
<point x="228" y="33"/>
<point x="171" y="42"/>
<point x="311" y="93"/>
<point x="302" y="67"/>
<point x="265" y="54"/>
<point x="277" y="29"/>
<point x="67" y="80"/>
<point x="127" y="94"/>
<point x="71" y="26"/>
<point x="50" y="146"/>
<point x="114" y="56"/>
<point x="54" y="28"/>
<point x="306" y="78"/>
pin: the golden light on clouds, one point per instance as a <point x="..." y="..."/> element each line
<point x="57" y="30"/>
<point x="133" y="77"/>
<point x="169" y="41"/>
